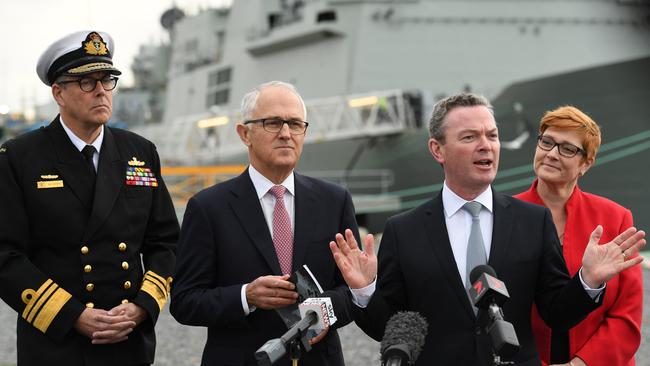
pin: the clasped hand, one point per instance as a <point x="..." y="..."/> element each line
<point x="112" y="326"/>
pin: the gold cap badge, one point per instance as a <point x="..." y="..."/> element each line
<point x="95" y="45"/>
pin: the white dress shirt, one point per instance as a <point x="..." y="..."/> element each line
<point x="459" y="226"/>
<point x="80" y="144"/>
<point x="267" y="201"/>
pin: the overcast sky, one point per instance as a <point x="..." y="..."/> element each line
<point x="27" y="27"/>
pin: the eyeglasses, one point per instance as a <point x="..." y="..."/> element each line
<point x="565" y="149"/>
<point x="89" y="84"/>
<point x="274" y="125"/>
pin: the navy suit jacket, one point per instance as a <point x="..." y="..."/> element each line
<point x="226" y="243"/>
<point x="418" y="272"/>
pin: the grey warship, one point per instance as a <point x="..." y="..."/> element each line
<point x="370" y="71"/>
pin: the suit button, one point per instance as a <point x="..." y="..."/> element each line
<point x="88" y="268"/>
<point x="90" y="287"/>
<point x="125" y="265"/>
<point x="125" y="301"/>
<point x="84" y="250"/>
<point x="121" y="247"/>
<point x="127" y="285"/>
<point x="90" y="305"/>
<point x="477" y="330"/>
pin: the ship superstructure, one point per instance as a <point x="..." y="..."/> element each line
<point x="370" y="71"/>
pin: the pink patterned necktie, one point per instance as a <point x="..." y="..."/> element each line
<point x="282" y="233"/>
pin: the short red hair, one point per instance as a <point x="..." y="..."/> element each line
<point x="571" y="118"/>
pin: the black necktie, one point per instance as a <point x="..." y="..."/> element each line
<point x="88" y="152"/>
<point x="90" y="176"/>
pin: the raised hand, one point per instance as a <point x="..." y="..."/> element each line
<point x="359" y="268"/>
<point x="271" y="292"/>
<point x="602" y="262"/>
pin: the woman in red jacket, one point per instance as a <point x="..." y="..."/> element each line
<point x="610" y="335"/>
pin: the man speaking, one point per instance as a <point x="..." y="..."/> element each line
<point x="428" y="253"/>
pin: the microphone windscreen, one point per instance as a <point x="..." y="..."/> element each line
<point x="405" y="327"/>
<point x="479" y="270"/>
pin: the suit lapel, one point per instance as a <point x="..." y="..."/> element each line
<point x="305" y="203"/>
<point x="439" y="240"/>
<point x="248" y="210"/>
<point x="110" y="177"/>
<point x="70" y="162"/>
<point x="501" y="230"/>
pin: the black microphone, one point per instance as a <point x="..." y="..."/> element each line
<point x="489" y="293"/>
<point x="403" y="338"/>
<point x="486" y="288"/>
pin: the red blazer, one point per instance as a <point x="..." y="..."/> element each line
<point x="611" y="334"/>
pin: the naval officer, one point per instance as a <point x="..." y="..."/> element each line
<point x="87" y="226"/>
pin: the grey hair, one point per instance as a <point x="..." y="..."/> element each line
<point x="249" y="101"/>
<point x="444" y="106"/>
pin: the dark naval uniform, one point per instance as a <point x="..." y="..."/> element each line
<point x="64" y="247"/>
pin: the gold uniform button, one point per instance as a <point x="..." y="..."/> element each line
<point x="84" y="250"/>
<point x="122" y="247"/>
<point x="125" y="265"/>
<point x="90" y="287"/>
<point x="88" y="268"/>
<point x="127" y="285"/>
<point x="90" y="305"/>
<point x="125" y="301"/>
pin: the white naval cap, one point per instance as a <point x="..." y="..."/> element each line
<point x="78" y="53"/>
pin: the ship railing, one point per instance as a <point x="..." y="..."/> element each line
<point x="183" y="182"/>
<point x="211" y="137"/>
<point x="369" y="114"/>
<point x="369" y="187"/>
<point x="360" y="181"/>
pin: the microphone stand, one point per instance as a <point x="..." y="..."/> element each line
<point x="295" y="350"/>
<point x="496" y="360"/>
<point x="495" y="313"/>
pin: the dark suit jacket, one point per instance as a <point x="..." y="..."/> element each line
<point x="60" y="252"/>
<point x="418" y="272"/>
<point x="225" y="242"/>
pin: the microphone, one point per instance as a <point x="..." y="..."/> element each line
<point x="316" y="313"/>
<point x="489" y="293"/>
<point x="403" y="338"/>
<point x="486" y="288"/>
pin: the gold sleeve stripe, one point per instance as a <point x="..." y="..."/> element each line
<point x="42" y="301"/>
<point x="158" y="281"/>
<point x="154" y="291"/>
<point x="36" y="297"/>
<point x="156" y="276"/>
<point x="157" y="287"/>
<point x="51" y="309"/>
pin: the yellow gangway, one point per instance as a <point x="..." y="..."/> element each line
<point x="185" y="181"/>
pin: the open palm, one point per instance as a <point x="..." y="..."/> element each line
<point x="602" y="262"/>
<point x="358" y="267"/>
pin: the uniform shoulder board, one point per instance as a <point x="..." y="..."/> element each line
<point x="3" y="150"/>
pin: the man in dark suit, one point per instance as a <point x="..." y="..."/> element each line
<point x="427" y="253"/>
<point x="241" y="239"/>
<point x="83" y="206"/>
